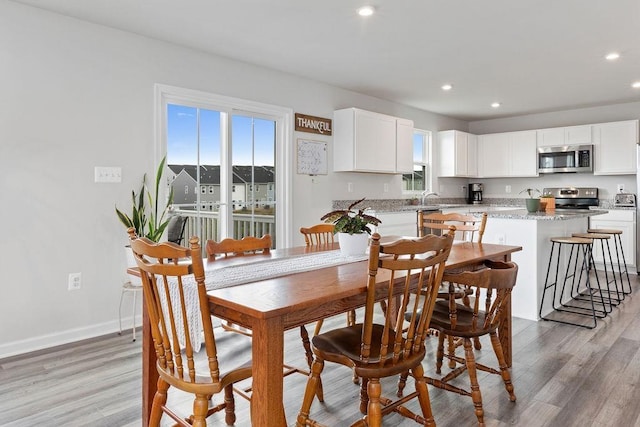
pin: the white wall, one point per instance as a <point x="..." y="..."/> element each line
<point x="77" y="95"/>
<point x="495" y="187"/>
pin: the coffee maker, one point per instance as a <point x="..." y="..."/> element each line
<point x="475" y="193"/>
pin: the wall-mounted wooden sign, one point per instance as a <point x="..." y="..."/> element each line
<point x="312" y="124"/>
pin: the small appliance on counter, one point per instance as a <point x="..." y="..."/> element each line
<point x="475" y="193"/>
<point x="625" y="200"/>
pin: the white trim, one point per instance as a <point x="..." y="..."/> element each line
<point x="165" y="94"/>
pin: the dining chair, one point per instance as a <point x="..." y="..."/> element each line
<point x="469" y="228"/>
<point x="248" y="245"/>
<point x="175" y="229"/>
<point x="164" y="269"/>
<point x="493" y="285"/>
<point x="319" y="234"/>
<point x="383" y="345"/>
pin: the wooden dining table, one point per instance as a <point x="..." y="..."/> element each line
<point x="269" y="307"/>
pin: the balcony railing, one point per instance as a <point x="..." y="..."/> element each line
<point x="242" y="225"/>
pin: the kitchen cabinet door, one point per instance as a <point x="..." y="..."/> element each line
<point x="364" y="141"/>
<point x="618" y="220"/>
<point x="578" y="135"/>
<point x="570" y="135"/>
<point x="493" y="155"/>
<point x="398" y="224"/>
<point x="615" y="148"/>
<point x="404" y="146"/>
<point x="523" y="155"/>
<point x="457" y="154"/>
<point x="550" y="137"/>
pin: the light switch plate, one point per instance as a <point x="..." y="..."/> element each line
<point x="108" y="174"/>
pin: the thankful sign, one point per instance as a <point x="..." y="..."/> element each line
<point x="312" y="124"/>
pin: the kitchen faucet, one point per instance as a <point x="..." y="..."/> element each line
<point x="426" y="194"/>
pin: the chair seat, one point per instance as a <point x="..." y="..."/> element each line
<point x="464" y="326"/>
<point x="346" y="342"/>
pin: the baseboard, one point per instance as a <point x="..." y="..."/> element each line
<point x="16" y="348"/>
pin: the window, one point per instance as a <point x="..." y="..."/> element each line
<point x="420" y="179"/>
<point x="221" y="140"/>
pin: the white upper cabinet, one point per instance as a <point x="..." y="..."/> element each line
<point x="365" y="141"/>
<point x="457" y="154"/>
<point x="508" y="154"/>
<point x="615" y="147"/>
<point x="571" y="135"/>
<point x="404" y="146"/>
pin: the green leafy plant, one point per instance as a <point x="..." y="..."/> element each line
<point x="351" y="221"/>
<point x="531" y="192"/>
<point x="147" y="216"/>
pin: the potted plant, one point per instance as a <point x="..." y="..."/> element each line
<point x="533" y="202"/>
<point x="148" y="217"/>
<point x="351" y="227"/>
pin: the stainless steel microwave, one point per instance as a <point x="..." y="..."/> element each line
<point x="565" y="158"/>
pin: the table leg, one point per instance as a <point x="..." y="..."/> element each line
<point x="268" y="357"/>
<point x="149" y="371"/>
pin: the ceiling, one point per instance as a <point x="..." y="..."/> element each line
<point x="530" y="55"/>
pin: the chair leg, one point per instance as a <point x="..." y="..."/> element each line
<point x="310" y="392"/>
<point x="423" y="395"/>
<point x="159" y="400"/>
<point x="120" y="312"/>
<point x="229" y="405"/>
<point x="440" y="352"/>
<point x="504" y="371"/>
<point x="304" y="335"/>
<point x="476" y="396"/>
<point x="133" y="319"/>
<point x="364" y="396"/>
<point x="200" y="409"/>
<point x="451" y="348"/>
<point x="374" y="408"/>
<point x="402" y="382"/>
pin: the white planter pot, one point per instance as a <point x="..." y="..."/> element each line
<point x="353" y="244"/>
<point x="131" y="262"/>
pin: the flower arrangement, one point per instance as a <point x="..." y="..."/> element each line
<point x="351" y="221"/>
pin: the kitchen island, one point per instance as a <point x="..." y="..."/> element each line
<point x="532" y="231"/>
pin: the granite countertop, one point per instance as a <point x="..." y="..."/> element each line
<point x="558" y="215"/>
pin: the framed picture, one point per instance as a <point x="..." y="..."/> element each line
<point x="312" y="157"/>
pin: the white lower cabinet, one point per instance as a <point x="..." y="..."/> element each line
<point x="623" y="220"/>
<point x="398" y="223"/>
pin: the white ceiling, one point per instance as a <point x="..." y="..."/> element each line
<point x="530" y="55"/>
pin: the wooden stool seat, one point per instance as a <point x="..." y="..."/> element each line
<point x="592" y="235"/>
<point x="572" y="240"/>
<point x="604" y="231"/>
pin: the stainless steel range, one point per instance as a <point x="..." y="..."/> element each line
<point x="574" y="197"/>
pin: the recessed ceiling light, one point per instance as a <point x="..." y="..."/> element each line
<point x="612" y="56"/>
<point x="366" y="10"/>
<point x="635" y="85"/>
<point x="447" y="87"/>
<point x="495" y="104"/>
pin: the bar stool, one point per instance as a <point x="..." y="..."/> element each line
<point x="615" y="296"/>
<point x="578" y="247"/>
<point x="617" y="240"/>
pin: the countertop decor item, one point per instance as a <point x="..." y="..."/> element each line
<point x="533" y="202"/>
<point x="351" y="227"/>
<point x="547" y="202"/>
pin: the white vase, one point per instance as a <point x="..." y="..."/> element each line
<point x="353" y="244"/>
<point x="131" y="262"/>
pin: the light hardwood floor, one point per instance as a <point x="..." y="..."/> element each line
<point x="563" y="376"/>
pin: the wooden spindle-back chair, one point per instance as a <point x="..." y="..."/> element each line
<point x="387" y="346"/>
<point x="165" y="268"/>
<point x="319" y="234"/>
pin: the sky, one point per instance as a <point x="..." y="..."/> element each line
<point x="182" y="137"/>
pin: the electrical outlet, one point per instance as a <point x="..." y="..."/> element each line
<point x="350" y="187"/>
<point x="620" y="188"/>
<point x="386" y="187"/>
<point x="500" y="238"/>
<point x="507" y="189"/>
<point x="75" y="281"/>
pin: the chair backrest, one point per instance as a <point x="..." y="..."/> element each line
<point x="469" y="227"/>
<point x="319" y="234"/>
<point x="408" y="267"/>
<point x="175" y="229"/>
<point x="234" y="247"/>
<point x="165" y="269"/>
<point x="497" y="276"/>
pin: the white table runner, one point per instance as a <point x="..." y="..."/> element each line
<point x="260" y="269"/>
